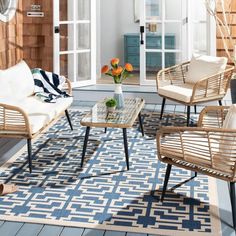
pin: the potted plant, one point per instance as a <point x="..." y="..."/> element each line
<point x="111" y="104"/>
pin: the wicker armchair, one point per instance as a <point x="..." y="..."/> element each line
<point x="208" y="149"/>
<point x="172" y="84"/>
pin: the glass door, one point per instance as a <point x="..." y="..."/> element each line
<point x="163" y="33"/>
<point x="202" y="30"/>
<point x="74" y="49"/>
<point x="170" y="31"/>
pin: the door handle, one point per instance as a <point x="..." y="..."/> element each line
<point x="57" y="29"/>
<point x="141" y="34"/>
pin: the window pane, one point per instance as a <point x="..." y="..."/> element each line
<point x="66" y="37"/>
<point x="67" y="65"/>
<point x="199" y="37"/>
<point x="172" y="58"/>
<point x="83" y="67"/>
<point x="153" y="36"/>
<point x="153" y="9"/>
<point x="83" y="7"/>
<point x="198" y="10"/>
<point x="83" y="36"/>
<point x="173" y="36"/>
<point x="66" y="10"/>
<point x="173" y="9"/>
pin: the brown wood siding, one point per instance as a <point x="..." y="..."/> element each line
<point x="11" y="40"/>
<point x="231" y="14"/>
<point x="38" y="35"/>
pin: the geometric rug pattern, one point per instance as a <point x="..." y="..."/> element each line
<point x="103" y="194"/>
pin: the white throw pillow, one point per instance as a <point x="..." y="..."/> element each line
<point x="228" y="142"/>
<point x="16" y="81"/>
<point x="202" y="66"/>
<point x="230" y="119"/>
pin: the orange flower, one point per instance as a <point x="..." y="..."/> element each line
<point x="105" y="69"/>
<point x="115" y="61"/>
<point x="129" y="67"/>
<point x="117" y="72"/>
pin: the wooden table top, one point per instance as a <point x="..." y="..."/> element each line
<point x="120" y="118"/>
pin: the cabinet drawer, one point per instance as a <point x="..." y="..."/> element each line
<point x="153" y="59"/>
<point x="170" y="59"/>
<point x="170" y="42"/>
<point x="134" y="60"/>
<point x="133" y="50"/>
<point x="153" y="42"/>
<point x="132" y="41"/>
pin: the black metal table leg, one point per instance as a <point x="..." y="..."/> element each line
<point x="85" y="145"/>
<point x="126" y="147"/>
<point x="141" y="123"/>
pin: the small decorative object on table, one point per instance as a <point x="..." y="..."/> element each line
<point x="119" y="74"/>
<point x="111" y="104"/>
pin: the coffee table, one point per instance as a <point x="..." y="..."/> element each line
<point x="121" y="118"/>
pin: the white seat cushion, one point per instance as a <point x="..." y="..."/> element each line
<point x="39" y="113"/>
<point x="181" y="93"/>
<point x="16" y="81"/>
<point x="202" y="66"/>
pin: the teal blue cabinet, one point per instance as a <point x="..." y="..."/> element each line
<point x="153" y="41"/>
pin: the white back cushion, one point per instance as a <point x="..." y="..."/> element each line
<point x="228" y="142"/>
<point x="230" y="119"/>
<point x="202" y="66"/>
<point x="16" y="81"/>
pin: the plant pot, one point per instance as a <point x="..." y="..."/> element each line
<point x="111" y="109"/>
<point x="118" y="96"/>
<point x="233" y="89"/>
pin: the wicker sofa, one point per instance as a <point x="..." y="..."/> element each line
<point x="22" y="115"/>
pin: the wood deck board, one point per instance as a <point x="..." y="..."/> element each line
<point x="51" y="230"/>
<point x="30" y="229"/>
<point x="114" y="233"/>
<point x="72" y="231"/>
<point x="93" y="232"/>
<point x="10" y="228"/>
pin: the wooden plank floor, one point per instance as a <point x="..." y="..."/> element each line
<point x="7" y="228"/>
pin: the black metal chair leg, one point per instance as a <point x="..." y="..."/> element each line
<point x="105" y="130"/>
<point x="167" y="176"/>
<point x="195" y="174"/>
<point x="233" y="202"/>
<point x="126" y="147"/>
<point x="195" y="109"/>
<point x="85" y="145"/>
<point x="141" y="123"/>
<point x="68" y="118"/>
<point x="188" y="115"/>
<point x="162" y="107"/>
<point x="220" y="103"/>
<point x="29" y="146"/>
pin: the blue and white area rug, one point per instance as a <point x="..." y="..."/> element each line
<point x="104" y="195"/>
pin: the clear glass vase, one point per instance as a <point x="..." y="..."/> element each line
<point x="118" y="96"/>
